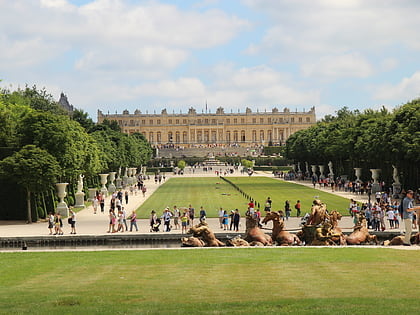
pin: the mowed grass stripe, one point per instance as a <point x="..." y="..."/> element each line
<point x="262" y="187"/>
<point x="209" y="192"/>
<point x="213" y="193"/>
<point x="216" y="281"/>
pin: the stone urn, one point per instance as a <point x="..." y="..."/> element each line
<point x="313" y="168"/>
<point x="62" y="208"/>
<point x="358" y="173"/>
<point x="129" y="178"/>
<point x="375" y="176"/>
<point x="104" y="178"/>
<point x="111" y="186"/>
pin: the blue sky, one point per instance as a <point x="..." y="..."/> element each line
<point x="149" y="55"/>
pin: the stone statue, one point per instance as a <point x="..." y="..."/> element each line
<point x="395" y="175"/>
<point x="80" y="183"/>
<point x="330" y="166"/>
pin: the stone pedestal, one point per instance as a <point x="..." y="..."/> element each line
<point x="80" y="199"/>
<point x="92" y="194"/>
<point x="62" y="208"/>
<point x="111" y="186"/>
<point x="396" y="191"/>
<point x="104" y="178"/>
<point x="118" y="182"/>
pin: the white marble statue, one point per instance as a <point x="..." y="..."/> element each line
<point x="80" y="183"/>
<point x="395" y="175"/>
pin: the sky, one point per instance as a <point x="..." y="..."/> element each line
<point x="114" y="55"/>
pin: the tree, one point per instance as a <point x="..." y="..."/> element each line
<point x="181" y="164"/>
<point x="246" y="163"/>
<point x="83" y="119"/>
<point x="33" y="168"/>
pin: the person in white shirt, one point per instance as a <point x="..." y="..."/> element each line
<point x="221" y="213"/>
<point x="391" y="217"/>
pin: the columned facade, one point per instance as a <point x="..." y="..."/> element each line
<point x="192" y="129"/>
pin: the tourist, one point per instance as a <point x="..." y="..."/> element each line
<point x="368" y="216"/>
<point x="390" y="216"/>
<point x="258" y="217"/>
<point x="126" y="197"/>
<point x="236" y="220"/>
<point x="118" y="203"/>
<point x="124" y="215"/>
<point x="287" y="209"/>
<point x="297" y="207"/>
<point x="225" y="220"/>
<point x="133" y="221"/>
<point x="95" y="204"/>
<point x="396" y="216"/>
<point x="184" y="222"/>
<point x="120" y="195"/>
<point x="152" y="219"/>
<point x="202" y="214"/>
<point x="251" y="206"/>
<point x="268" y="203"/>
<point x="166" y="216"/>
<point x="353" y="208"/>
<point x="58" y="224"/>
<point x="221" y="213"/>
<point x="232" y="213"/>
<point x="176" y="214"/>
<point x="102" y="202"/>
<point x="120" y="226"/>
<point x="72" y="221"/>
<point x="191" y="214"/>
<point x="50" y="222"/>
<point x="112" y="221"/>
<point x="143" y="190"/>
<point x="376" y="214"/>
<point x="408" y="209"/>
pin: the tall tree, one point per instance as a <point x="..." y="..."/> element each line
<point x="32" y="168"/>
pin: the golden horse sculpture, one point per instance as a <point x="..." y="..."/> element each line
<point x="279" y="235"/>
<point x="318" y="213"/>
<point x="360" y="234"/>
<point x="254" y="235"/>
<point x="338" y="236"/>
<point x="203" y="232"/>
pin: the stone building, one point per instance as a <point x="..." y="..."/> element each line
<point x="192" y="128"/>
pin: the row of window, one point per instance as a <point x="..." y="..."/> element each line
<point x="211" y="121"/>
<point x="206" y="136"/>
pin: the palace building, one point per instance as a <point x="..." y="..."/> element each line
<point x="192" y="128"/>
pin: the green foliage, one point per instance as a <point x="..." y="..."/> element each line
<point x="83" y="119"/>
<point x="181" y="164"/>
<point x="368" y="139"/>
<point x="246" y="163"/>
<point x="273" y="150"/>
<point x="31" y="167"/>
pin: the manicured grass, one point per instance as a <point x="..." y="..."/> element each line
<point x="213" y="193"/>
<point x="209" y="192"/>
<point x="212" y="281"/>
<point x="262" y="187"/>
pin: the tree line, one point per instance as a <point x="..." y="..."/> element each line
<point x="42" y="144"/>
<point x="367" y="139"/>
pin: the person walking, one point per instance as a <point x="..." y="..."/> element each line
<point x="95" y="204"/>
<point x="50" y="222"/>
<point x="184" y="222"/>
<point x="191" y="214"/>
<point x="221" y="214"/>
<point x="102" y="202"/>
<point x="202" y="214"/>
<point x="297" y="207"/>
<point x="225" y="220"/>
<point x="166" y="216"/>
<point x="407" y="216"/>
<point x="72" y="221"/>
<point x="236" y="220"/>
<point x="287" y="209"/>
<point x="152" y="219"/>
<point x="133" y="221"/>
<point x="124" y="218"/>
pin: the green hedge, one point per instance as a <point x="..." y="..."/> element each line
<point x="272" y="168"/>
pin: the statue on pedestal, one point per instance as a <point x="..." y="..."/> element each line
<point x="80" y="183"/>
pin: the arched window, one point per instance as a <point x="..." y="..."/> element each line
<point x="184" y="137"/>
<point x="254" y="135"/>
<point x="159" y="137"/>
<point x="170" y="137"/>
<point x="243" y="135"/>
<point x="151" y="137"/>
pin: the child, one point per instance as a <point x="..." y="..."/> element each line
<point x="184" y="222"/>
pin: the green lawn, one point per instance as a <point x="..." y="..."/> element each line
<point x="213" y="193"/>
<point x="262" y="187"/>
<point x="212" y="281"/>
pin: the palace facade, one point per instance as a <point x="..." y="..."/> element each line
<point x="192" y="128"/>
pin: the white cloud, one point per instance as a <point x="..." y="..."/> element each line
<point x="406" y="90"/>
<point x="347" y="65"/>
<point x="302" y="28"/>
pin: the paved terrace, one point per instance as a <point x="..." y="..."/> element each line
<point x="89" y="223"/>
